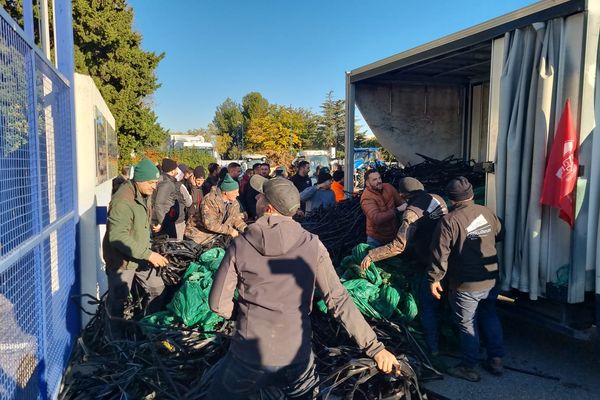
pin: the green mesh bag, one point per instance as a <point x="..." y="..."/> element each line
<point x="362" y="293"/>
<point x="387" y="301"/>
<point x="407" y="308"/>
<point x="211" y="259"/>
<point x="360" y="251"/>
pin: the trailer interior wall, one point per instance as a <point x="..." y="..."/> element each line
<point x="405" y="116"/>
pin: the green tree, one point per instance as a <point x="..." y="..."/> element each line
<point x="109" y="50"/>
<point x="229" y="123"/>
<point x="310" y="134"/>
<point x="14" y="102"/>
<point x="373" y="142"/>
<point x="333" y="121"/>
<point x="192" y="157"/>
<point x="254" y="105"/>
<point x="332" y="126"/>
<point x="277" y="131"/>
<point x="360" y="135"/>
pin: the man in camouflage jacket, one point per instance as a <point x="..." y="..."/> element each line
<point x="219" y="214"/>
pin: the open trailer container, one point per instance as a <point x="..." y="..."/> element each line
<point x="494" y="93"/>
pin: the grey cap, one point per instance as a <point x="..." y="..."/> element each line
<point x="280" y="193"/>
<point x="409" y="184"/>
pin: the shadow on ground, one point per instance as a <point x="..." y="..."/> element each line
<point x="575" y="364"/>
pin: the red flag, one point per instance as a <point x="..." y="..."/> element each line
<point x="561" y="170"/>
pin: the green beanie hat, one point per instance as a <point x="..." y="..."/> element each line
<point x="145" y="170"/>
<point x="229" y="184"/>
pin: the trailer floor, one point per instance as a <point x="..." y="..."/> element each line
<point x="529" y="347"/>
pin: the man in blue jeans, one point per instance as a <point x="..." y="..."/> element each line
<point x="419" y="220"/>
<point x="464" y="249"/>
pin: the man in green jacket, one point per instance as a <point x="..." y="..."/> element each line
<point x="126" y="245"/>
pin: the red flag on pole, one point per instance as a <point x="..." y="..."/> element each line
<point x="561" y="169"/>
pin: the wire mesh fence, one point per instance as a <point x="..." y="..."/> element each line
<point x="37" y="221"/>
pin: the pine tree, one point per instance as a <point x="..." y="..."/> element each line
<point x="108" y="49"/>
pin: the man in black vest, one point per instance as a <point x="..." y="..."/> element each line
<point x="464" y="249"/>
<point x="281" y="265"/>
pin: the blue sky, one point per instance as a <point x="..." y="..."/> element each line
<point x="293" y="52"/>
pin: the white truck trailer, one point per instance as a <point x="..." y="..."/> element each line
<point x="494" y="93"/>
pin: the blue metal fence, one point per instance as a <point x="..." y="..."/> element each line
<point x="38" y="220"/>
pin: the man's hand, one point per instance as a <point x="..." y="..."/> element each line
<point x="436" y="290"/>
<point x="323" y="184"/>
<point x="157" y="260"/>
<point x="366" y="262"/>
<point x="156" y="228"/>
<point x="386" y="361"/>
<point x="234" y="233"/>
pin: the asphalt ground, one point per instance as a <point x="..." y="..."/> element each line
<point x="570" y="368"/>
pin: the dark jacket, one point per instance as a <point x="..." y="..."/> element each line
<point x="249" y="201"/>
<point x="197" y="196"/>
<point x="315" y="198"/>
<point x="464" y="247"/>
<point x="380" y="210"/>
<point x="419" y="221"/>
<point x="276" y="266"/>
<point x="209" y="183"/>
<point x="301" y="183"/>
<point x="215" y="218"/>
<point x="126" y="243"/>
<point x="169" y="206"/>
<point x="117" y="182"/>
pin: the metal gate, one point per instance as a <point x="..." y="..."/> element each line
<point x="38" y="217"/>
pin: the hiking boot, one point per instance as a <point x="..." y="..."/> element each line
<point x="494" y="366"/>
<point x="462" y="372"/>
<point x="438" y="362"/>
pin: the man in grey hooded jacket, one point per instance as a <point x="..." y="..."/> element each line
<point x="276" y="266"/>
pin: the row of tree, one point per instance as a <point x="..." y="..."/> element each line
<point x="109" y="50"/>
<point x="277" y="131"/>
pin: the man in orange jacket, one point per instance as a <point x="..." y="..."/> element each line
<point x="380" y="202"/>
<point x="338" y="186"/>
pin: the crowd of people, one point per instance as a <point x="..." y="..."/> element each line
<point x="276" y="265"/>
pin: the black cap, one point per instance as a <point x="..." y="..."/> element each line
<point x="323" y="177"/>
<point x="184" y="168"/>
<point x="168" y="165"/>
<point x="338" y="175"/>
<point x="280" y="193"/>
<point x="459" y="189"/>
<point x="409" y="184"/>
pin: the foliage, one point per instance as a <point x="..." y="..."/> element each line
<point x="152" y="154"/>
<point x="373" y="142"/>
<point x="228" y="122"/>
<point x="277" y="131"/>
<point x="108" y="49"/>
<point x="14" y="103"/>
<point x="332" y="123"/>
<point x="192" y="157"/>
<point x="309" y="136"/>
<point x="254" y="105"/>
<point x="267" y="128"/>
